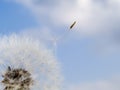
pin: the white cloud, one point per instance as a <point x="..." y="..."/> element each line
<point x="92" y="16"/>
<point x="97" y="18"/>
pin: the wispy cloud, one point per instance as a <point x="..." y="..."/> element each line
<point x="95" y="18"/>
<point x="92" y="15"/>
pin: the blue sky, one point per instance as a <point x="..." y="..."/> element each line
<point x="89" y="53"/>
<point x="13" y="17"/>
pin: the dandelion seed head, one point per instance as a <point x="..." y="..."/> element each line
<point x="18" y="79"/>
<point x="21" y="54"/>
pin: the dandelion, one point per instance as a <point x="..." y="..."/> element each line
<point x="17" y="78"/>
<point x="26" y="64"/>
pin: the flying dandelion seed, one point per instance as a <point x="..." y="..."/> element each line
<point x="55" y="40"/>
<point x="26" y="65"/>
<point x="73" y="25"/>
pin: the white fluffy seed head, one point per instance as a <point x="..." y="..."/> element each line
<point x="31" y="55"/>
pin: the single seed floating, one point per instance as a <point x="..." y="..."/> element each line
<point x="72" y="25"/>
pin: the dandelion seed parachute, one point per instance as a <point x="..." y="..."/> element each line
<point x="28" y="55"/>
<point x="55" y="40"/>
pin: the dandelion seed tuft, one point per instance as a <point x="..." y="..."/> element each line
<point x="18" y="79"/>
<point x="25" y="64"/>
